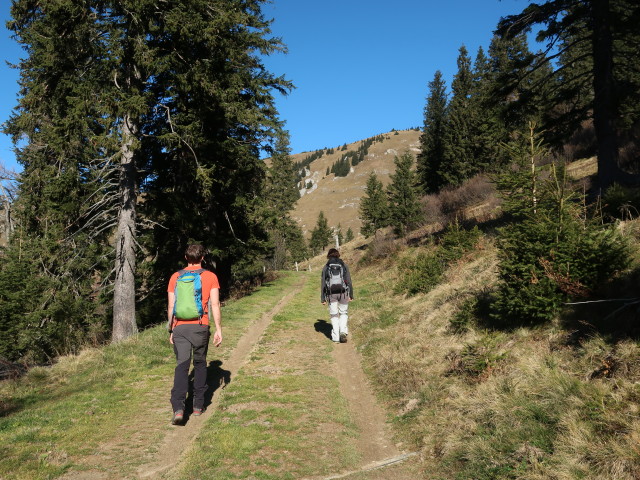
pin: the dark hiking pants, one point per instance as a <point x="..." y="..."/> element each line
<point x="188" y="339"/>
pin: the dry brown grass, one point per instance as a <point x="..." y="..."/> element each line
<point x="585" y="167"/>
<point x="524" y="403"/>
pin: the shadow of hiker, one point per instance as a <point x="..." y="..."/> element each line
<point x="322" y="326"/>
<point x="217" y="378"/>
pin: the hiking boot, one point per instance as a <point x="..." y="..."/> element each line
<point x="198" y="411"/>
<point x="178" y="417"/>
<point x="343" y="338"/>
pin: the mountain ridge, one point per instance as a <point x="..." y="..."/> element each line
<point x="339" y="197"/>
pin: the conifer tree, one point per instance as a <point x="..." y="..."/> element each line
<point x="489" y="126"/>
<point x="349" y="235"/>
<point x="459" y="162"/>
<point x="320" y="235"/>
<point x="337" y="232"/>
<point x="431" y="155"/>
<point x="280" y="195"/>
<point x="117" y="109"/>
<point x="62" y="208"/>
<point x="374" y="207"/>
<point x="550" y="251"/>
<point x="404" y="196"/>
<point x="602" y="33"/>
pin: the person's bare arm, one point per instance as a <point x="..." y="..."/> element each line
<point x="216" y="314"/>
<point x="170" y="302"/>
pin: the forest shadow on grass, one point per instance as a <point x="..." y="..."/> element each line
<point x="613" y="313"/>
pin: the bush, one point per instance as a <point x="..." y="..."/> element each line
<point x="456" y="241"/>
<point x="456" y="204"/>
<point x="464" y="317"/>
<point x="379" y="247"/>
<point x="423" y="273"/>
<point x="548" y="258"/>
<point x="476" y="361"/>
<point x="550" y="253"/>
<point x="621" y="203"/>
<point x="432" y="210"/>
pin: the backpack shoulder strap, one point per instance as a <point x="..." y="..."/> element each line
<point x="184" y="270"/>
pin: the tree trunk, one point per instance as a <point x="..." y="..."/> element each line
<point x="5" y="235"/>
<point x="124" y="295"/>
<point x="603" y="102"/>
<point x="5" y="208"/>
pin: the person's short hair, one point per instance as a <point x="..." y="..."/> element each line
<point x="333" y="253"/>
<point x="195" y="253"/>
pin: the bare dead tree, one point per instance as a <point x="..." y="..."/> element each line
<point x="8" y="191"/>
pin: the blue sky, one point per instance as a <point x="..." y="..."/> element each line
<point x="361" y="67"/>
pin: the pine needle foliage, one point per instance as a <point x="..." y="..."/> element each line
<point x="374" y="207"/>
<point x="431" y="155"/>
<point x="286" y="242"/>
<point x="144" y="124"/>
<point x="404" y="196"/>
<point x="320" y="235"/>
<point x="552" y="251"/>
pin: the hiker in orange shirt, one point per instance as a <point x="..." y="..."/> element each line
<point x="193" y="294"/>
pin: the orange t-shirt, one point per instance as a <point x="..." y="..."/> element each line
<point x="209" y="281"/>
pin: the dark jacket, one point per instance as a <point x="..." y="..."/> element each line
<point x="323" y="278"/>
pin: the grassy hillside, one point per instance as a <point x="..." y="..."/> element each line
<point x="558" y="401"/>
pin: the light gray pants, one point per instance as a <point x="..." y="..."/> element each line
<point x="338" y="307"/>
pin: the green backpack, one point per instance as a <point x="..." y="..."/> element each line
<point x="188" y="295"/>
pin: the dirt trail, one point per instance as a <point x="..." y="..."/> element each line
<point x="375" y="441"/>
<point x="178" y="439"/>
<point x="380" y="458"/>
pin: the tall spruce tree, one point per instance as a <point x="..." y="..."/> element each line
<point x="404" y="196"/>
<point x="138" y="132"/>
<point x="374" y="207"/>
<point x="605" y="31"/>
<point x="489" y="125"/>
<point x="431" y="155"/>
<point x="280" y="195"/>
<point x="459" y="162"/>
<point x="62" y="212"/>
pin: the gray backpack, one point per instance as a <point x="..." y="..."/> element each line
<point x="334" y="279"/>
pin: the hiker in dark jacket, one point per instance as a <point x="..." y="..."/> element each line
<point x="336" y="289"/>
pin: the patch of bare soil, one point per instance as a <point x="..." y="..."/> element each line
<point x="125" y="454"/>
